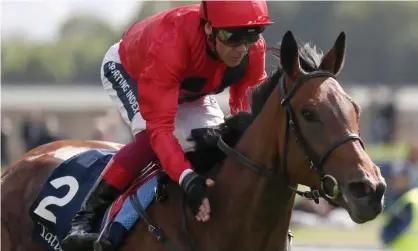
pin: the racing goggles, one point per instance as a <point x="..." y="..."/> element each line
<point x="238" y="36"/>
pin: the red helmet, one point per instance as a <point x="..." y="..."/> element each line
<point x="227" y="14"/>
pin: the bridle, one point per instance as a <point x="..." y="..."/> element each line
<point x="291" y="126"/>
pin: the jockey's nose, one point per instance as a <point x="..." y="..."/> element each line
<point x="243" y="48"/>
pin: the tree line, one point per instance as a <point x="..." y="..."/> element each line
<point x="382" y="42"/>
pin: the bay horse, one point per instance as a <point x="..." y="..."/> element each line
<point x="303" y="129"/>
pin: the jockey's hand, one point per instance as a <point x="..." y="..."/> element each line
<point x="195" y="187"/>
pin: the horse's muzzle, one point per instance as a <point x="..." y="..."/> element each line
<point x="365" y="199"/>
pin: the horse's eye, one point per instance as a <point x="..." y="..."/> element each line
<point x="309" y="115"/>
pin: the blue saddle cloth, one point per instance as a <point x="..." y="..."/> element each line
<point x="65" y="190"/>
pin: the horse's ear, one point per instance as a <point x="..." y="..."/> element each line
<point x="289" y="55"/>
<point x="333" y="61"/>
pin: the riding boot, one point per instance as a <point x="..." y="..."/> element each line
<point x="81" y="236"/>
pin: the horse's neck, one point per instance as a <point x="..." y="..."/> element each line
<point x="257" y="210"/>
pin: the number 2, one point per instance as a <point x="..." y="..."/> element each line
<point x="51" y="200"/>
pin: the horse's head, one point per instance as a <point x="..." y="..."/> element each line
<point x="318" y="139"/>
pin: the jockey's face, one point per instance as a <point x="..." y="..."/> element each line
<point x="230" y="53"/>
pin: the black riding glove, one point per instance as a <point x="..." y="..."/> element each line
<point x="195" y="187"/>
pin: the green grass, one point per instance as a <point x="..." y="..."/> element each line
<point x="366" y="235"/>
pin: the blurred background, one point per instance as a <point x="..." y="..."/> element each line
<point x="51" y="52"/>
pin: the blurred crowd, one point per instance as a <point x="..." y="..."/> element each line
<point x="37" y="128"/>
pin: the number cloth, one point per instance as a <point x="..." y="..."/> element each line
<point x="65" y="190"/>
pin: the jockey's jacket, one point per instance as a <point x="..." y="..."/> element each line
<point x="167" y="54"/>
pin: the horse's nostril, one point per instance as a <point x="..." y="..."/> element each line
<point x="380" y="191"/>
<point x="361" y="189"/>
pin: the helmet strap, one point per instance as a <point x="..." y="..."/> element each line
<point x="211" y="46"/>
<point x="211" y="41"/>
<point x="205" y="11"/>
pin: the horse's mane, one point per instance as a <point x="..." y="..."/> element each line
<point x="206" y="153"/>
<point x="310" y="59"/>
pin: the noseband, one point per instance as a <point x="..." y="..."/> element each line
<point x="291" y="126"/>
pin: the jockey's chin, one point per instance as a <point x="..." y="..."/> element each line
<point x="234" y="61"/>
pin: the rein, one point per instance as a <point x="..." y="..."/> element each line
<point x="291" y="126"/>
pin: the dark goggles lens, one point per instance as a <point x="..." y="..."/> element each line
<point x="232" y="39"/>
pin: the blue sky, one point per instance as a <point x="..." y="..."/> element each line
<point x="40" y="20"/>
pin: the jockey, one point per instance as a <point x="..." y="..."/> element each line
<point x="162" y="76"/>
